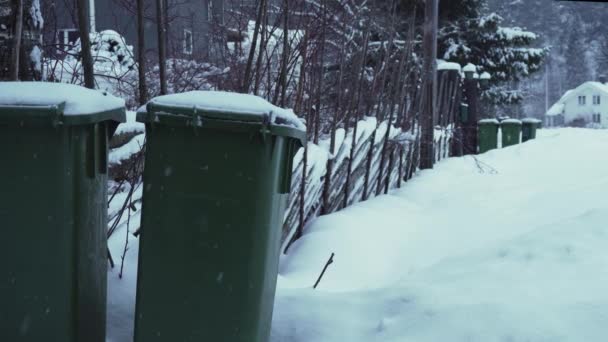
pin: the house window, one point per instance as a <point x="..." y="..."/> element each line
<point x="67" y="38"/>
<point x="597" y="100"/>
<point x="188" y="42"/>
<point x="582" y="100"/>
<point x="597" y="118"/>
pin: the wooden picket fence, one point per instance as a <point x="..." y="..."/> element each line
<point x="381" y="158"/>
<point x="365" y="181"/>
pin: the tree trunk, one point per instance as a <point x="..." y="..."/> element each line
<point x="162" y="45"/>
<point x="254" y="42"/>
<point x="85" y="43"/>
<point x="141" y="53"/>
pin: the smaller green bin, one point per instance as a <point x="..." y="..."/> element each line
<point x="53" y="209"/>
<point x="511" y="132"/>
<point x="528" y="129"/>
<point x="488" y="135"/>
<point x="463" y="115"/>
<point x="216" y="184"/>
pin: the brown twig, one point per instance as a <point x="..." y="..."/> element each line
<point x="329" y="262"/>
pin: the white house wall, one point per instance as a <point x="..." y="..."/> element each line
<point x="573" y="111"/>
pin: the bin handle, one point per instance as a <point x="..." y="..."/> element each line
<point x="103" y="137"/>
<point x="265" y="130"/>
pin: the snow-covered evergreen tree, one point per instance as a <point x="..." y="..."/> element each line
<point x="507" y="53"/>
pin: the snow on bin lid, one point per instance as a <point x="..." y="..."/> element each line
<point x="511" y="121"/>
<point x="219" y="101"/>
<point x="78" y="100"/>
<point x="470" y="68"/>
<point x="443" y="65"/>
<point x="531" y="120"/>
<point x="489" y="121"/>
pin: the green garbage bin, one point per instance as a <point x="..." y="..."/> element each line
<point x="528" y="129"/>
<point x="53" y="209"/>
<point x="511" y="131"/>
<point x="488" y="135"/>
<point x="216" y="181"/>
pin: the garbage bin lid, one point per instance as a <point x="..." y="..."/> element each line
<point x="511" y="122"/>
<point x="226" y="107"/>
<point x="65" y="103"/>
<point x="531" y="120"/>
<point x="488" y="122"/>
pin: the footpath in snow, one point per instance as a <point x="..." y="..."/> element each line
<point x="510" y="248"/>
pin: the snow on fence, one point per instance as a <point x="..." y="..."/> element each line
<point x="365" y="180"/>
<point x="379" y="159"/>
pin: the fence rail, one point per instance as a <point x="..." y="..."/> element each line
<point x="380" y="158"/>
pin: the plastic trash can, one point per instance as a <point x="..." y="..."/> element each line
<point x="488" y="135"/>
<point x="511" y="131"/>
<point x="53" y="209"/>
<point x="216" y="181"/>
<point x="528" y="129"/>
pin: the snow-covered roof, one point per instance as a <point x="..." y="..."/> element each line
<point x="78" y="100"/>
<point x="219" y="101"/>
<point x="556" y="109"/>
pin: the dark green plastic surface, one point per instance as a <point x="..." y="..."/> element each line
<point x="53" y="211"/>
<point x="215" y="191"/>
<point x="528" y="131"/>
<point x="510" y="133"/>
<point x="488" y="136"/>
<point x="464" y="114"/>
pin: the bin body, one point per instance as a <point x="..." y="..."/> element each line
<point x="213" y="206"/>
<point x="528" y="129"/>
<point x="488" y="135"/>
<point x="511" y="131"/>
<point x="54" y="219"/>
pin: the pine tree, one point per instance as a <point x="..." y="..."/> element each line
<point x="505" y="52"/>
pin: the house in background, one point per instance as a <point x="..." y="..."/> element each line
<point x="195" y="27"/>
<point x="189" y="22"/>
<point x="586" y="105"/>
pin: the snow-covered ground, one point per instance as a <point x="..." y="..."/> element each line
<point x="509" y="248"/>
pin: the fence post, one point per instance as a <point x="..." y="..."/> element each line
<point x="472" y="99"/>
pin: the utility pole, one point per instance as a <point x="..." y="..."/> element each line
<point x="428" y="104"/>
<point x="162" y="45"/>
<point x="141" y="53"/>
<point x="16" y="56"/>
<point x="84" y="27"/>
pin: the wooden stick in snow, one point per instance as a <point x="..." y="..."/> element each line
<point x="329" y="262"/>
